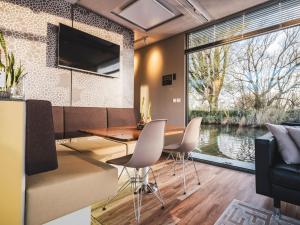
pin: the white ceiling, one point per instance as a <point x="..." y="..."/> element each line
<point x="194" y="13"/>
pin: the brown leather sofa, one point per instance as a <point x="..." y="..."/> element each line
<point x="68" y="121"/>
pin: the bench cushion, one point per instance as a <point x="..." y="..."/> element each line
<point x="121" y="117"/>
<point x="76" y="184"/>
<point x="77" y="118"/>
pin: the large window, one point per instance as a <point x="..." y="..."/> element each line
<point x="238" y="87"/>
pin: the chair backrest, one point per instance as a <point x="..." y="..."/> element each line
<point x="149" y="146"/>
<point x="191" y="135"/>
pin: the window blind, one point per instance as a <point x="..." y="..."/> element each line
<point x="274" y="14"/>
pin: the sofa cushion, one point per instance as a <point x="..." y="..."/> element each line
<point x="286" y="176"/>
<point x="99" y="148"/>
<point x="77" y="118"/>
<point x="294" y="132"/>
<point x="40" y="152"/>
<point x="286" y="146"/>
<point x="76" y="184"/>
<point x="121" y="117"/>
<point x="58" y="121"/>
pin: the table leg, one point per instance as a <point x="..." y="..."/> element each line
<point x="145" y="174"/>
<point x="147" y="187"/>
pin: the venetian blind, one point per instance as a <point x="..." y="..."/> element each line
<point x="273" y="14"/>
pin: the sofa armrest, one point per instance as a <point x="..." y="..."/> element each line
<point x="265" y="157"/>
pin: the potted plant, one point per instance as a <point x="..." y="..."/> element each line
<point x="145" y="116"/>
<point x="3" y="50"/>
<point x="11" y="72"/>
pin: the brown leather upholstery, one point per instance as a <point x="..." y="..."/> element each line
<point x="58" y="121"/>
<point x="77" y="118"/>
<point x="76" y="184"/>
<point x="40" y="152"/>
<point x="121" y="117"/>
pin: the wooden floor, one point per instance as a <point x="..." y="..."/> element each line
<point x="203" y="204"/>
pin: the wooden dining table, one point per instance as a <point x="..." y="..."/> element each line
<point x="127" y="134"/>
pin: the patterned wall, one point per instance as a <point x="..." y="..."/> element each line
<point x="31" y="30"/>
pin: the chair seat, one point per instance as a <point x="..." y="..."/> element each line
<point x="172" y="147"/>
<point x="286" y="176"/>
<point x="121" y="161"/>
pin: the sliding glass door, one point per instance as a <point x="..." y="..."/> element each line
<point x="238" y="87"/>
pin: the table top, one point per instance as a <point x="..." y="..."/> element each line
<point x="128" y="133"/>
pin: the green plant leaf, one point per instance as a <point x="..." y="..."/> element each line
<point x="13" y="73"/>
<point x="3" y="46"/>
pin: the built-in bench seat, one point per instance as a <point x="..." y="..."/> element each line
<point x="76" y="184"/>
<point x="68" y="121"/>
<point x="62" y="184"/>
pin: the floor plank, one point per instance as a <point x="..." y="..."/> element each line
<point x="219" y="186"/>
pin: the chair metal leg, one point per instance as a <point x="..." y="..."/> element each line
<point x="121" y="173"/>
<point x="137" y="196"/>
<point x="170" y="155"/>
<point x="122" y="188"/>
<point x="183" y="173"/>
<point x="157" y="192"/>
<point x="174" y="168"/>
<point x="176" y="159"/>
<point x="137" y="189"/>
<point x="136" y="199"/>
<point x="195" y="170"/>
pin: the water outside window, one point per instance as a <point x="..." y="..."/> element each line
<point x="238" y="87"/>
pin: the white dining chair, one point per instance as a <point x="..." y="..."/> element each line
<point x="184" y="149"/>
<point x="147" y="152"/>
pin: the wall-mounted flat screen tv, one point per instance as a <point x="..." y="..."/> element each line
<point x="81" y="51"/>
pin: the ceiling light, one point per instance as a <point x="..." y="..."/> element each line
<point x="146" y="14"/>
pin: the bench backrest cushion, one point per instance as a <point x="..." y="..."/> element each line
<point x="58" y="121"/>
<point x="40" y="151"/>
<point x="121" y="117"/>
<point x="78" y="118"/>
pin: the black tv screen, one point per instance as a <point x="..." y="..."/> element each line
<point x="81" y="51"/>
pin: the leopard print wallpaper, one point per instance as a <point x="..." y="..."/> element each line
<point x="31" y="31"/>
